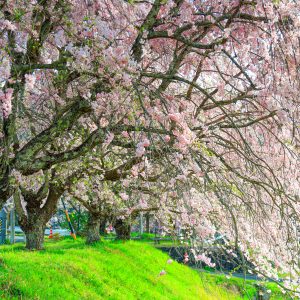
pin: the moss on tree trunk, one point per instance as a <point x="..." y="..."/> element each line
<point x="93" y="229"/>
<point x="34" y="236"/>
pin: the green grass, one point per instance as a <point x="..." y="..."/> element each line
<point x="246" y="288"/>
<point x="109" y="270"/>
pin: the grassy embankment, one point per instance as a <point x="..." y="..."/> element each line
<point x="69" y="269"/>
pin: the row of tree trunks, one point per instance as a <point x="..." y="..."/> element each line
<point x="35" y="229"/>
<point x="96" y="226"/>
<point x="34" y="223"/>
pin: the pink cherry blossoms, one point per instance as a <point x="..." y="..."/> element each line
<point x="141" y="147"/>
<point x="207" y="260"/>
<point x="5" y="98"/>
<point x="30" y="81"/>
<point x="6" y="24"/>
<point x="124" y="196"/>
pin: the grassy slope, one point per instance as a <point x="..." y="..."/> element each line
<point x="71" y="270"/>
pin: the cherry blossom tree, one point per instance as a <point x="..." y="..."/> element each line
<point x="207" y="87"/>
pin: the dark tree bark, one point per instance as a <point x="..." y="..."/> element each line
<point x="5" y="189"/>
<point x="103" y="225"/>
<point x="34" y="236"/>
<point x="147" y="223"/>
<point x="78" y="219"/>
<point x="39" y="209"/>
<point x="123" y="229"/>
<point x="93" y="229"/>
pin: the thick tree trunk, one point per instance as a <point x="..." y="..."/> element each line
<point x="34" y="236"/>
<point x="34" y="218"/>
<point x="123" y="229"/>
<point x="93" y="229"/>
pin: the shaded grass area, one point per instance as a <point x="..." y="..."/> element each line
<point x="69" y="269"/>
<point x="246" y="288"/>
